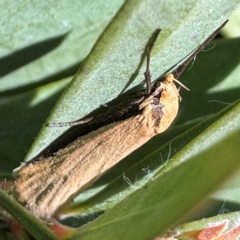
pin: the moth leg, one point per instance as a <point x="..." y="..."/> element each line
<point x="147" y="73"/>
<point x="154" y="97"/>
<point x="70" y="124"/>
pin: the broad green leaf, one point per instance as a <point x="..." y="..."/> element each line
<point x="117" y="58"/>
<point x="42" y="41"/>
<point x="116" y="62"/>
<point x="232" y="29"/>
<point x="50" y="40"/>
<point x="28" y="221"/>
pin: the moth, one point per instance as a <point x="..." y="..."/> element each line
<point x="44" y="185"/>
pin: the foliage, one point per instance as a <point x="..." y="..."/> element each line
<point x="170" y="176"/>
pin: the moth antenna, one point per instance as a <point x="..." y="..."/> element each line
<point x="181" y="84"/>
<point x="182" y="67"/>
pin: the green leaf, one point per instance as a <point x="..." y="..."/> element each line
<point x="116" y="60"/>
<point x="232" y="29"/>
<point x="116" y="63"/>
<point x="225" y="226"/>
<point x="50" y="39"/>
<point x="33" y="225"/>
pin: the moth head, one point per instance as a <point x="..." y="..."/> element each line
<point x="170" y="79"/>
<point x="170" y="85"/>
